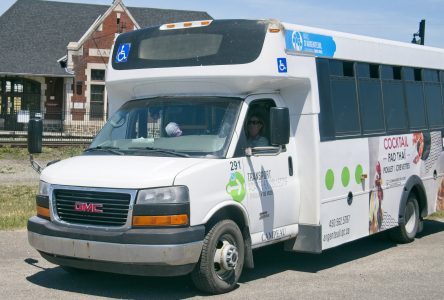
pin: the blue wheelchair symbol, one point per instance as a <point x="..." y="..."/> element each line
<point x="122" y="53"/>
<point x="282" y="65"/>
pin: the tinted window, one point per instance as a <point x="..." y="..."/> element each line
<point x="408" y="74"/>
<point x="394" y="107"/>
<point x="223" y="42"/>
<point x="363" y="70"/>
<point x="418" y="74"/>
<point x="431" y="75"/>
<point x="336" y="68"/>
<point x="415" y="105"/>
<point x="387" y="72"/>
<point x="345" y="108"/>
<point x="370" y="103"/>
<point x="434" y="105"/>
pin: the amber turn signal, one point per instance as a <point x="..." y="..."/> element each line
<point x="173" y="220"/>
<point x="43" y="212"/>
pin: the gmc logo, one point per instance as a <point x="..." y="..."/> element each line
<point x="88" y="207"/>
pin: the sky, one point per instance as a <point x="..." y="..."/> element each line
<point x="388" y="19"/>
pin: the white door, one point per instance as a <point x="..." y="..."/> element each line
<point x="272" y="194"/>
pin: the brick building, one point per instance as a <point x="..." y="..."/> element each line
<point x="38" y="37"/>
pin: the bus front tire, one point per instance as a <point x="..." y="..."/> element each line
<point x="406" y="231"/>
<point x="222" y="259"/>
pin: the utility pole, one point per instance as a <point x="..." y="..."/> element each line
<point x="420" y="34"/>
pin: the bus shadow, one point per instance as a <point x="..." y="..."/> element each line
<point x="115" y="286"/>
<point x="268" y="261"/>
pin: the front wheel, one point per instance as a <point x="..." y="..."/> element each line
<point x="406" y="231"/>
<point x="222" y="259"/>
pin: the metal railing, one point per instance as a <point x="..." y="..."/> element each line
<point x="76" y="127"/>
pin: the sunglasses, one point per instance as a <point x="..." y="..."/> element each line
<point x="254" y="122"/>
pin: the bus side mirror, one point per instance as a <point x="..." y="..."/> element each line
<point x="279" y="126"/>
<point x="35" y="135"/>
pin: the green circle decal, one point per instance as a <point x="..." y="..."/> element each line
<point x="358" y="174"/>
<point x="329" y="179"/>
<point x="345" y="176"/>
<point x="236" y="187"/>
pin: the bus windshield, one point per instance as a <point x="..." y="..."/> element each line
<point x="180" y="126"/>
<point x="223" y="42"/>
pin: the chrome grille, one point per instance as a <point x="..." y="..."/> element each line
<point x="111" y="208"/>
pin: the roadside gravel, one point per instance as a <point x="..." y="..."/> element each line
<point x="18" y="172"/>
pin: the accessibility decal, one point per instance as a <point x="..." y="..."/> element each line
<point x="123" y="52"/>
<point x="282" y="65"/>
<point x="316" y="44"/>
<point x="236" y="187"/>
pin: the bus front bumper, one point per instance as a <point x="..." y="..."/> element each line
<point x="160" y="252"/>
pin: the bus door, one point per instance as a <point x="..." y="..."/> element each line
<point x="272" y="196"/>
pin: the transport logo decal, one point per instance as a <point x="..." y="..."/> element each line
<point x="236" y="187"/>
<point x="123" y="52"/>
<point x="310" y="43"/>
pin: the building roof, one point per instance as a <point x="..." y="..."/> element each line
<point x="34" y="34"/>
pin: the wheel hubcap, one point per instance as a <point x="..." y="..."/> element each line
<point x="229" y="257"/>
<point x="225" y="258"/>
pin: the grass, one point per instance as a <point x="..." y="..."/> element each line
<point x="7" y="152"/>
<point x="437" y="215"/>
<point x="17" y="202"/>
<point x="17" y="205"/>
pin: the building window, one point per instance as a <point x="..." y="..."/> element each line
<point x="18" y="94"/>
<point x="97" y="101"/>
<point x="98" y="74"/>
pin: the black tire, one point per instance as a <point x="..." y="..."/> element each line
<point x="212" y="274"/>
<point x="407" y="230"/>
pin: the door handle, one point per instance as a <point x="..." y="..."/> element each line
<point x="290" y="166"/>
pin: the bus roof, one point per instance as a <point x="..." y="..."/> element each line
<point x="375" y="50"/>
<point x="234" y="72"/>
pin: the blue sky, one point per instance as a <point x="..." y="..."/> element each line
<point x="389" y="19"/>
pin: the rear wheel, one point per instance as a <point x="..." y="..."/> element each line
<point x="222" y="259"/>
<point x="406" y="231"/>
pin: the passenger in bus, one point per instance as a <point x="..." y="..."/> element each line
<point x="255" y="129"/>
<point x="172" y="129"/>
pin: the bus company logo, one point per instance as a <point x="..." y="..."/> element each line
<point x="236" y="187"/>
<point x="297" y="41"/>
<point x="88" y="207"/>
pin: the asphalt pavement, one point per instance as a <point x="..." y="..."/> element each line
<point x="370" y="268"/>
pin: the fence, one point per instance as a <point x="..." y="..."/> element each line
<point x="63" y="128"/>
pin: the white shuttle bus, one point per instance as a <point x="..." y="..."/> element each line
<point x="230" y="135"/>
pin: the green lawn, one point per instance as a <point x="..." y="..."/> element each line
<point x="17" y="204"/>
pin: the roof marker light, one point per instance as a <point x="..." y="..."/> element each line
<point x="275" y="26"/>
<point x="189" y="24"/>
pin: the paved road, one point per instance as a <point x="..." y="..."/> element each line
<point x="371" y="268"/>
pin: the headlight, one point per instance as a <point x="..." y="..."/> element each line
<point x="43" y="188"/>
<point x="173" y="194"/>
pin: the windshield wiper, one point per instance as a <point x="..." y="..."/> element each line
<point x="151" y="149"/>
<point x="110" y="149"/>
